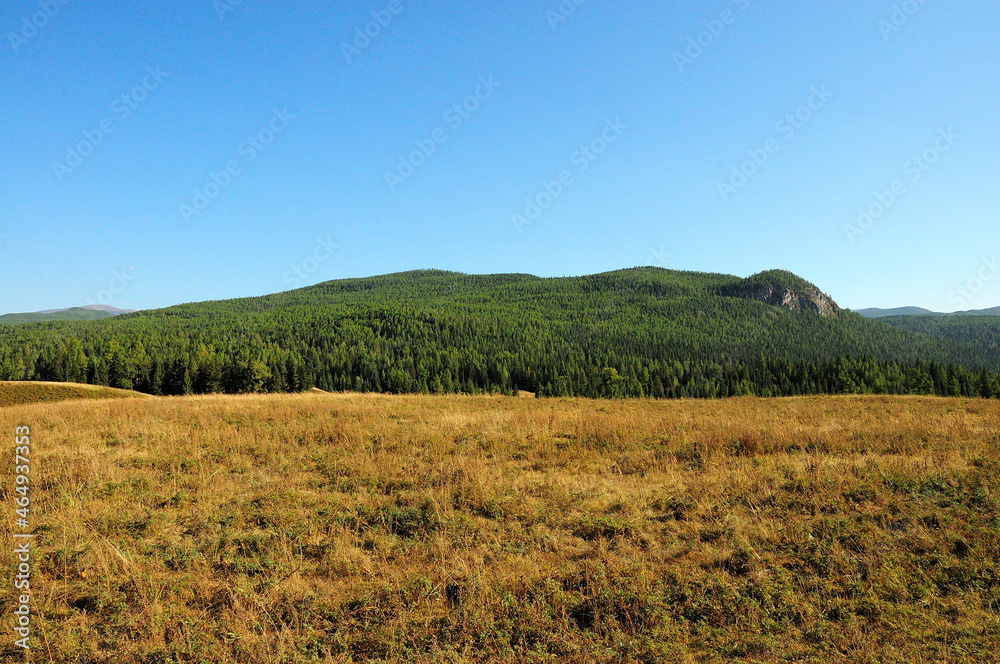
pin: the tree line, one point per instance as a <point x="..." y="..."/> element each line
<point x="636" y="333"/>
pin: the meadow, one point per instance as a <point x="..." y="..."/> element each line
<point x="351" y="527"/>
<point x="31" y="392"/>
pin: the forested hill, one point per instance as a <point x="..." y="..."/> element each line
<point x="637" y="332"/>
<point x="75" y="313"/>
<point x="982" y="331"/>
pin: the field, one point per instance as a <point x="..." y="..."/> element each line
<point x="17" y="393"/>
<point x="350" y="528"/>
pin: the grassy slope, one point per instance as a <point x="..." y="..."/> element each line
<point x="350" y="528"/>
<point x="76" y="313"/>
<point x="24" y="393"/>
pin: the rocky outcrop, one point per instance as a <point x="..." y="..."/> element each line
<point x="786" y="298"/>
<point x="783" y="289"/>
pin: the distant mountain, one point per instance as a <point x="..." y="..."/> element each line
<point x="635" y="332"/>
<point x="918" y="311"/>
<point x="93" y="312"/>
<point x="995" y="311"/>
<point x="900" y="311"/>
<point x="114" y="311"/>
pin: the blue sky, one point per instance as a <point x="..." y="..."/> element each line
<point x="158" y="153"/>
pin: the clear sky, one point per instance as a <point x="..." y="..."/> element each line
<point x="155" y="153"/>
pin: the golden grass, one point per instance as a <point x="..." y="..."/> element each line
<point x="21" y="393"/>
<point x="338" y="528"/>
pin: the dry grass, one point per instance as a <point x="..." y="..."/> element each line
<point x="23" y="393"/>
<point x="337" y="528"/>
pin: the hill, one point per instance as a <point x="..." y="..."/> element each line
<point x="75" y="313"/>
<point x="899" y="311"/>
<point x="94" y="307"/>
<point x="980" y="331"/>
<point x="370" y="528"/>
<point x="918" y="311"/>
<point x="28" y="392"/>
<point x="636" y="332"/>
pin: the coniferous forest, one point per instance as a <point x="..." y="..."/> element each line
<point x="643" y="332"/>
